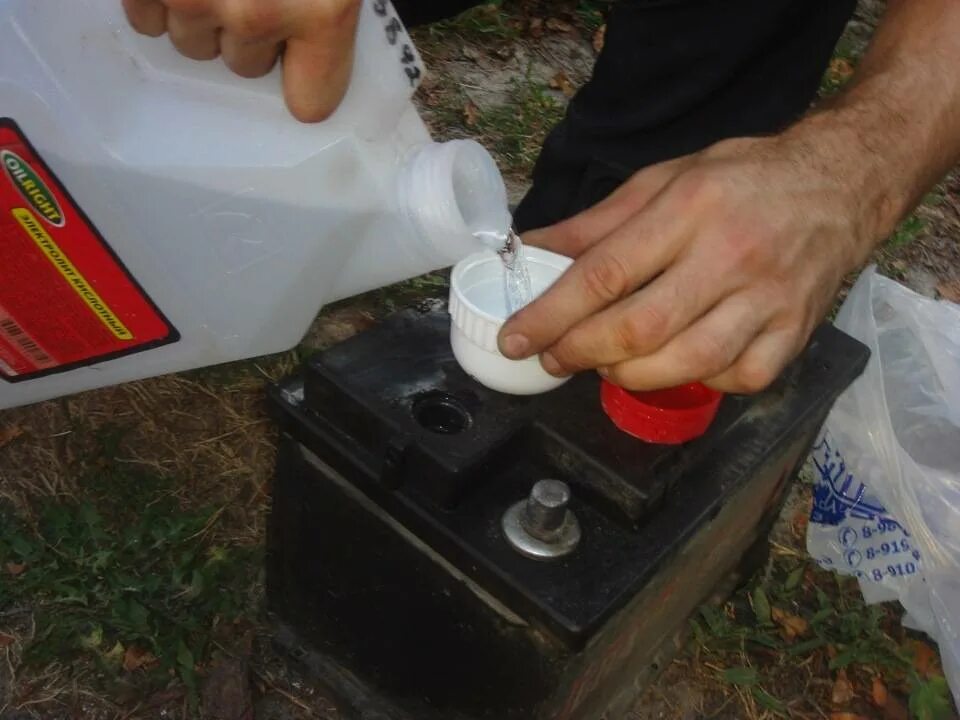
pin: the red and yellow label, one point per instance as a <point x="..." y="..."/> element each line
<point x="65" y="299"/>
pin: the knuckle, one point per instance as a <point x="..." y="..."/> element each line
<point x="709" y="356"/>
<point x="251" y="20"/>
<point x="745" y="249"/>
<point x="188" y="8"/>
<point x="571" y="351"/>
<point x="338" y="14"/>
<point x="622" y="376"/>
<point x="700" y="188"/>
<point x="643" y="330"/>
<point x="753" y="376"/>
<point x="605" y="277"/>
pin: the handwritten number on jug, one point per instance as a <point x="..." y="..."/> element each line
<point x="394" y="28"/>
<point x="413" y="72"/>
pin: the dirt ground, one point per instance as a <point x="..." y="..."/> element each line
<point x="132" y="518"/>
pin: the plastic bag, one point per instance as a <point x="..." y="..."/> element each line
<point x="887" y="499"/>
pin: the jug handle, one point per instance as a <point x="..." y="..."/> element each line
<point x="387" y="68"/>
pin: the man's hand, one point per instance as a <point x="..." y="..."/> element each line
<point x="713" y="267"/>
<point x="315" y="38"/>
<point x="717" y="266"/>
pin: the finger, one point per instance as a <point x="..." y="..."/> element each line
<point x="706" y="349"/>
<point x="629" y="257"/>
<point x="148" y="17"/>
<point x="248" y="58"/>
<point x="760" y="364"/>
<point x="316" y="71"/>
<point x="194" y="35"/>
<point x="642" y="323"/>
<point x="572" y="237"/>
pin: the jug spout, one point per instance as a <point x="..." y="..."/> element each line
<point x="452" y="193"/>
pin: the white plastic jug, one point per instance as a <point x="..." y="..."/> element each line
<point x="159" y="214"/>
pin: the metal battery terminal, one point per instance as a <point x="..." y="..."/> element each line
<point x="543" y="527"/>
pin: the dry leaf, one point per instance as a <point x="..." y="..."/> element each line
<point x="895" y="709"/>
<point x="9" y="434"/>
<point x="561" y="82"/>
<point x="847" y="716"/>
<point x="842" y="690"/>
<point x="948" y="289"/>
<point x="536" y="27"/>
<point x="791" y="626"/>
<point x="558" y="25"/>
<point x="879" y="693"/>
<point x="6" y="640"/>
<point x="471" y="113"/>
<point x="470" y="53"/>
<point x="924" y="658"/>
<point x="841" y="69"/>
<point x="135" y="658"/>
<point x="227" y="692"/>
<point x="599" y="38"/>
<point x="15" y="568"/>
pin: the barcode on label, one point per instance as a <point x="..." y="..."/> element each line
<point x="26" y="343"/>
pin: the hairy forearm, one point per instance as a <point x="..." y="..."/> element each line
<point x="895" y="130"/>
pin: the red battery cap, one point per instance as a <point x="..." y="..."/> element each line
<point x="665" y="417"/>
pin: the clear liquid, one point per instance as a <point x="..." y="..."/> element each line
<point x="517" y="287"/>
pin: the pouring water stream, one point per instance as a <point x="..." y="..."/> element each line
<point x="516" y="275"/>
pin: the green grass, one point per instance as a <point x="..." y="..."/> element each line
<point x="490" y="21"/>
<point x="844" y="62"/>
<point x="125" y="568"/>
<point x="906" y="232"/>
<point x="748" y="641"/>
<point x="591" y="13"/>
<point x="515" y="131"/>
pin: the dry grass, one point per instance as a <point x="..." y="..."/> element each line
<point x="206" y="436"/>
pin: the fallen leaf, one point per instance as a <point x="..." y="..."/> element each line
<point x="761" y="606"/>
<point x="841" y="69"/>
<point x="561" y="82"/>
<point x="924" y="658"/>
<point x="135" y="658"/>
<point x="114" y="656"/>
<point x="879" y="694"/>
<point x="15" y="569"/>
<point x="895" y="709"/>
<point x="599" y="38"/>
<point x="6" y="640"/>
<point x="536" y="27"/>
<point x="470" y="53"/>
<point x="226" y="691"/>
<point x="847" y="716"/>
<point x="558" y="25"/>
<point x="471" y="113"/>
<point x="791" y="626"/>
<point x="9" y="433"/>
<point x="842" y="692"/>
<point x="948" y="289"/>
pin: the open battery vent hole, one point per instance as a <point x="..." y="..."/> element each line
<point x="441" y="413"/>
